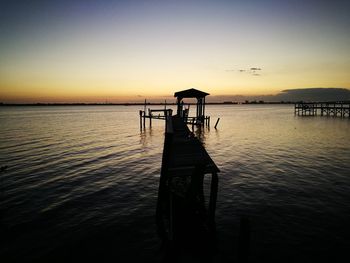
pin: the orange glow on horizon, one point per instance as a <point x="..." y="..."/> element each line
<point x="130" y="53"/>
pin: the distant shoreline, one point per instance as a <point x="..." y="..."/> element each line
<point x="139" y="104"/>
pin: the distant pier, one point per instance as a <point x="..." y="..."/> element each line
<point x="334" y="109"/>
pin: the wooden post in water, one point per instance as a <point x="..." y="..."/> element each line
<point x="150" y="117"/>
<point x="144" y="115"/>
<point x="140" y="119"/>
<point x="144" y="119"/>
<point x="342" y="111"/>
<point x="216" y="124"/>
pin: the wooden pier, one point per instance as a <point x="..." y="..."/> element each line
<point x="184" y="218"/>
<point x="334" y="109"/>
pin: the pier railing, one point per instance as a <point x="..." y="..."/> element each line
<point x="162" y="114"/>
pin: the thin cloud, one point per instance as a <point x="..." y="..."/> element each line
<point x="251" y="71"/>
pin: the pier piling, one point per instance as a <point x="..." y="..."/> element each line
<point x="140" y="119"/>
<point x="216" y="124"/>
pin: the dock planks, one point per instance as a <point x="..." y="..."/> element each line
<point x="187" y="151"/>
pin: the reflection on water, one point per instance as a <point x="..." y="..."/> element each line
<point x="83" y="181"/>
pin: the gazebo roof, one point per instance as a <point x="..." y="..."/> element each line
<point x="190" y="93"/>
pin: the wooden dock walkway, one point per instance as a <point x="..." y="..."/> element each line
<point x="334" y="109"/>
<point x="183" y="216"/>
<point x="186" y="150"/>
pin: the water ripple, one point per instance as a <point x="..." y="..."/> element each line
<point x="74" y="169"/>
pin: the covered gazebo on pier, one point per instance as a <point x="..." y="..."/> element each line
<point x="183" y="109"/>
<point x="183" y="112"/>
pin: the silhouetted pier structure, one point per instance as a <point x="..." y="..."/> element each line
<point x="334" y="109"/>
<point x="183" y="216"/>
<point x="183" y="109"/>
<point x="185" y="219"/>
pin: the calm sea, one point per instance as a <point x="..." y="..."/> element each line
<point x="82" y="183"/>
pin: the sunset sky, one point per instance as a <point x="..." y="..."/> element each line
<point x="93" y="51"/>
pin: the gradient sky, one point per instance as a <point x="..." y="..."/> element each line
<point x="93" y="51"/>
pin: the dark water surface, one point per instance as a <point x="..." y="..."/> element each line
<point x="82" y="183"/>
